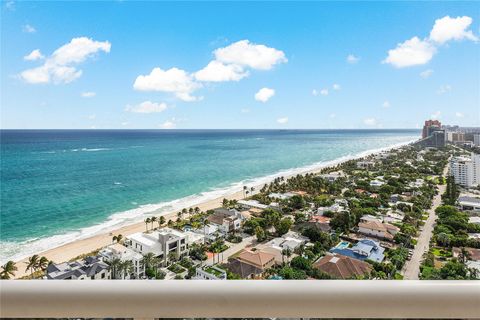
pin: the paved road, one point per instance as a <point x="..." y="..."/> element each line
<point x="412" y="267"/>
<point x="223" y="257"/>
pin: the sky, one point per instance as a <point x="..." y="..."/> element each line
<point x="238" y="65"/>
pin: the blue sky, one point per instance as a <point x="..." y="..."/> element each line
<point x="273" y="64"/>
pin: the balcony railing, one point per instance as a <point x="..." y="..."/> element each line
<point x="239" y="298"/>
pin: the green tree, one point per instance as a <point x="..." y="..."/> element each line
<point x="8" y="270"/>
<point x="260" y="234"/>
<point x="283" y="226"/>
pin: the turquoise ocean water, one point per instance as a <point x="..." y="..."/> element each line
<point x="61" y="185"/>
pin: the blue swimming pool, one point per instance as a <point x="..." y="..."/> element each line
<point x="343" y="245"/>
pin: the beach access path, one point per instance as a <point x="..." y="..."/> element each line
<point x="412" y="266"/>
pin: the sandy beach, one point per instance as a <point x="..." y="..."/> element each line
<point x="73" y="249"/>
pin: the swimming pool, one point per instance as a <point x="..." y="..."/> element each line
<point x="343" y="245"/>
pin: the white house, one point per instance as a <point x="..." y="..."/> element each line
<point x="376" y="183"/>
<point x="162" y="243"/>
<point x="118" y="251"/>
<point x="252" y="204"/>
<point x="210" y="273"/>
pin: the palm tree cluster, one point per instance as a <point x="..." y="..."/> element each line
<point x="36" y="263"/>
<point x="150" y="221"/>
<point x="120" y="269"/>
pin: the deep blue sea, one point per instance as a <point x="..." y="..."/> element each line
<point x="62" y="185"/>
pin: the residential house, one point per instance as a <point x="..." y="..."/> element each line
<point x="248" y="204"/>
<point x="469" y="203"/>
<point x="342" y="267"/>
<point x="376" y="183"/>
<point x="163" y="243"/>
<point x="332" y="176"/>
<point x="119" y="251"/>
<point x="227" y="220"/>
<point x="90" y="268"/>
<point x="251" y="264"/>
<point x="210" y="273"/>
<point x="378" y="229"/>
<point x="365" y="164"/>
<point x="362" y="250"/>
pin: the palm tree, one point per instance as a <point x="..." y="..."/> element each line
<point x="114" y="238"/>
<point x="152" y="220"/>
<point x="8" y="270"/>
<point x="32" y="264"/>
<point x="126" y="268"/>
<point x="252" y="189"/>
<point x="149" y="261"/>
<point x="161" y="221"/>
<point x="225" y="203"/>
<point x="244" y="188"/>
<point x="43" y="263"/>
<point x="197" y="210"/>
<point x="114" y="266"/>
<point x="147" y="221"/>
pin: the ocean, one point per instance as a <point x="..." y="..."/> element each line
<point x="58" y="186"/>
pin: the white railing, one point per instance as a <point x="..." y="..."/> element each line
<point x="240" y="298"/>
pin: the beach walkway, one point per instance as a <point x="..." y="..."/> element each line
<point x="412" y="266"/>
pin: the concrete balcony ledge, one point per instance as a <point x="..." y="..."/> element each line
<point x="239" y="298"/>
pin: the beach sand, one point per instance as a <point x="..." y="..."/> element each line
<point x="76" y="248"/>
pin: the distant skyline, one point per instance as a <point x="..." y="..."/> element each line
<point x="233" y="65"/>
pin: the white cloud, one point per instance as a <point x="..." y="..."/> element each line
<point x="447" y="28"/>
<point x="444" y="89"/>
<point x="217" y="71"/>
<point x="459" y="115"/>
<point x="125" y="123"/>
<point x="370" y="121"/>
<point x="245" y="110"/>
<point x="264" y="94"/>
<point x="88" y="94"/>
<point x="231" y="63"/>
<point x="147" y="107"/>
<point x="169" y="124"/>
<point x="58" y="67"/>
<point x="324" y="92"/>
<point x="436" y="115"/>
<point x="426" y="74"/>
<point x="315" y="92"/>
<point x="352" y="59"/>
<point x="410" y="53"/>
<point x="282" y="120"/>
<point x="92" y="116"/>
<point x="418" y="52"/>
<point x="332" y="115"/>
<point x="10" y="5"/>
<point x="173" y="80"/>
<point x="255" y="56"/>
<point x="336" y="86"/>
<point x="34" y="55"/>
<point x="386" y="104"/>
<point x="28" y="29"/>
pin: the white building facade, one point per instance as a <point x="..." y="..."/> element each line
<point x="466" y="171"/>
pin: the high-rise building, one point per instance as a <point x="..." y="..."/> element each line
<point x="428" y="124"/>
<point x="466" y="170"/>
<point x="476" y="139"/>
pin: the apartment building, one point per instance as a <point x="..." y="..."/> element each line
<point x="466" y="170"/>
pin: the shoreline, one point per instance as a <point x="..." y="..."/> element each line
<point x="77" y="247"/>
